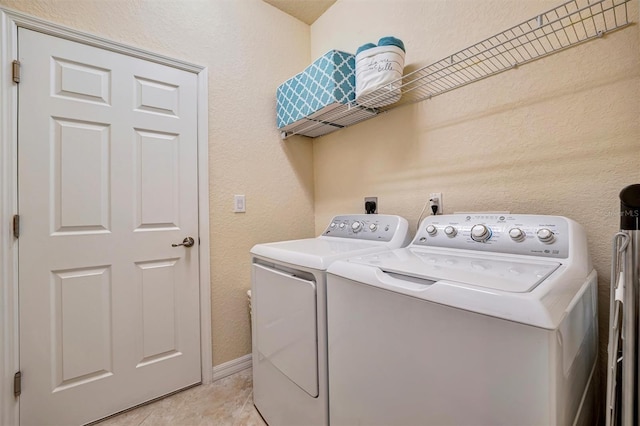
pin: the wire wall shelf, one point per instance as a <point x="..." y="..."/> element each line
<point x="565" y="26"/>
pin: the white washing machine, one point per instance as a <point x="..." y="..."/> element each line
<point x="288" y="297"/>
<point x="482" y="320"/>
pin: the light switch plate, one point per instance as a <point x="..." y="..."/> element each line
<point x="239" y="205"/>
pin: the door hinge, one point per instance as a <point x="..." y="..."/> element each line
<point x="16" y="225"/>
<point x="16" y="71"/>
<point x="17" y="384"/>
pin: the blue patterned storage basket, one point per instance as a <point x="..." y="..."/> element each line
<point x="327" y="81"/>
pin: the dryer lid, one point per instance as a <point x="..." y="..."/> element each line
<point x="316" y="253"/>
<point x="493" y="272"/>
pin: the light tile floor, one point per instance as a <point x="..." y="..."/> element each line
<point x="225" y="402"/>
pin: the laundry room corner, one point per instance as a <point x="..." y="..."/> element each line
<point x="557" y="136"/>
<point x="250" y="159"/>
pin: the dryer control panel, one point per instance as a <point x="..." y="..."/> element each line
<point x="372" y="227"/>
<point x="535" y="235"/>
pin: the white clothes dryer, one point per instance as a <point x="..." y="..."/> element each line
<point x="482" y="320"/>
<point x="288" y="297"/>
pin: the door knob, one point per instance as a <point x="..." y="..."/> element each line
<point x="187" y="242"/>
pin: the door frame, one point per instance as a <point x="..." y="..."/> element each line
<point x="10" y="21"/>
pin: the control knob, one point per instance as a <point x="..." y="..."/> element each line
<point x="432" y="230"/>
<point x="545" y="235"/>
<point x="480" y="233"/>
<point x="356" y="226"/>
<point x="373" y="227"/>
<point x="450" y="231"/>
<point x="517" y="234"/>
<point x="342" y="225"/>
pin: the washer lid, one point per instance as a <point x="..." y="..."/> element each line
<point x="316" y="253"/>
<point x="489" y="271"/>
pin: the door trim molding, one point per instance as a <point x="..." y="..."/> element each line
<point x="10" y="21"/>
<point x="23" y="20"/>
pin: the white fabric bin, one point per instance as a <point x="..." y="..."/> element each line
<point x="379" y="68"/>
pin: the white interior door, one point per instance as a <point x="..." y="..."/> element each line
<point x="109" y="310"/>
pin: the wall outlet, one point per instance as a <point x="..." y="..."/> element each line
<point x="435" y="199"/>
<point x="239" y="205"/>
<point x="371" y="208"/>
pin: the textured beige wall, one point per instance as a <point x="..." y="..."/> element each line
<point x="557" y="136"/>
<point x="250" y="48"/>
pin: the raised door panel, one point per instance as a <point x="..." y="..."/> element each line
<point x="157" y="187"/>
<point x="81" y="82"/>
<point x="81" y="180"/>
<point x="159" y="336"/>
<point x="156" y="96"/>
<point x="81" y="315"/>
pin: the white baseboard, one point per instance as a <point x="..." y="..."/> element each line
<point x="230" y="367"/>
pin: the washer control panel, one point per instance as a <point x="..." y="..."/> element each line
<point x="371" y="227"/>
<point x="534" y="235"/>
